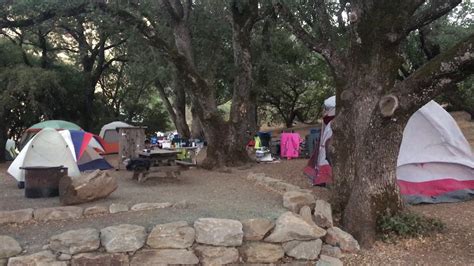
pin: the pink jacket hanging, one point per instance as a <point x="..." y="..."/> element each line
<point x="290" y="145"/>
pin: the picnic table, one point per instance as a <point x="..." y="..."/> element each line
<point x="162" y="160"/>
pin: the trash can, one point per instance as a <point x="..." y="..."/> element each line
<point x="43" y="182"/>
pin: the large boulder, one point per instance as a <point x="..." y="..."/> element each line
<point x="323" y="214"/>
<point x="150" y="206"/>
<point x="303" y="250"/>
<point x="90" y="259"/>
<point x="218" y="232"/>
<point x="337" y="237"/>
<point x="123" y="238"/>
<point x="290" y="226"/>
<point x="164" y="257"/>
<point x="94" y="186"/>
<point x="75" y="241"/>
<point x="256" y="229"/>
<point x="262" y="252"/>
<point x="58" y="213"/>
<point x="16" y="216"/>
<point x="42" y="258"/>
<point x="171" y="235"/>
<point x="9" y="247"/>
<point x="294" y="200"/>
<point x="209" y="255"/>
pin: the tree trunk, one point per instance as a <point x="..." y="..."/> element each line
<point x="196" y="127"/>
<point x="180" y="107"/>
<point x="366" y="145"/>
<point x="3" y="138"/>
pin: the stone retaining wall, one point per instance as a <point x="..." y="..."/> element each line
<point x="208" y="241"/>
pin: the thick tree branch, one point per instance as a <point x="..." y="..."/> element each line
<point x="435" y="10"/>
<point x="437" y="75"/>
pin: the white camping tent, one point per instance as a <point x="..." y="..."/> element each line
<point x="435" y="163"/>
<point x="47" y="148"/>
<point x="109" y="131"/>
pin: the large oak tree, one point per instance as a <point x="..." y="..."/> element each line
<point x="361" y="41"/>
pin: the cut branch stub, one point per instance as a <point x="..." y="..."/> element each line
<point x="388" y="104"/>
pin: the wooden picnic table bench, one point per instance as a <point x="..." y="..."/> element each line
<point x="161" y="161"/>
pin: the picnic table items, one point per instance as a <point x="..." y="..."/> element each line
<point x="155" y="161"/>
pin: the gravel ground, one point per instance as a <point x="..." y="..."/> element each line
<point x="211" y="194"/>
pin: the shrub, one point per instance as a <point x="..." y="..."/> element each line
<point x="407" y="224"/>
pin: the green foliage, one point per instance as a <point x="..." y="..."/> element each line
<point x="407" y="224"/>
<point x="292" y="81"/>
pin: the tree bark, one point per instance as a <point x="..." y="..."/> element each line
<point x="196" y="127"/>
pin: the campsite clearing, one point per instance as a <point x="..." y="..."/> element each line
<point x="230" y="195"/>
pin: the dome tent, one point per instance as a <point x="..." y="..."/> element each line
<point x="55" y="124"/>
<point x="110" y="137"/>
<point x="47" y="148"/>
<point x="435" y="162"/>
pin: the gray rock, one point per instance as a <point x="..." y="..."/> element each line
<point x="163" y="257"/>
<point x="93" y="259"/>
<point x="123" y="238"/>
<point x="290" y="226"/>
<point x="303" y="250"/>
<point x="331" y="251"/>
<point x="57" y="213"/>
<point x="171" y="235"/>
<point x="323" y="214"/>
<point x="209" y="255"/>
<point x="328" y="261"/>
<point x="96" y="210"/>
<point x="118" y="207"/>
<point x="256" y="229"/>
<point x="64" y="257"/>
<point x="262" y="252"/>
<point x="218" y="232"/>
<point x="9" y="247"/>
<point x="85" y="188"/>
<point x="337" y="237"/>
<point x="150" y="206"/>
<point x="17" y="216"/>
<point x="305" y="213"/>
<point x="75" y="241"/>
<point x="294" y="200"/>
<point x="43" y="258"/>
<point x="3" y="262"/>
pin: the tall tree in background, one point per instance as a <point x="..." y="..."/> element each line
<point x="374" y="105"/>
<point x="226" y="139"/>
